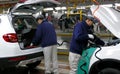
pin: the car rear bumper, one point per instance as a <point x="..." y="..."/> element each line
<point x="18" y="60"/>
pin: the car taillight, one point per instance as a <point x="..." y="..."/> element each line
<point x="10" y="37"/>
<point x="18" y="58"/>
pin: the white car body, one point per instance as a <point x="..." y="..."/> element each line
<point x="13" y="53"/>
<point x="108" y="56"/>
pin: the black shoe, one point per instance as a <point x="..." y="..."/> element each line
<point x="52" y="73"/>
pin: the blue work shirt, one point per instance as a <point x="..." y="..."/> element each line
<point x="45" y="35"/>
<point x="80" y="37"/>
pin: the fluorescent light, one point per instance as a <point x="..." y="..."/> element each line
<point x="48" y="9"/>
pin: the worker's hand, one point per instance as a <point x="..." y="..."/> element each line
<point x="31" y="44"/>
<point x="91" y="36"/>
<point x="106" y="44"/>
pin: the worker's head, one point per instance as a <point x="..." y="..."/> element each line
<point x="90" y="20"/>
<point x="40" y="18"/>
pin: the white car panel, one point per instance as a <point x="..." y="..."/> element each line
<point x="30" y="2"/>
<point x="39" y="1"/>
<point x="108" y="52"/>
<point x="16" y="33"/>
<point x="11" y="49"/>
<point x="109" y="17"/>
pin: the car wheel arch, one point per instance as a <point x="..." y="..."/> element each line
<point x="104" y="63"/>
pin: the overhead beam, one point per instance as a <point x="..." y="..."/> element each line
<point x="86" y="2"/>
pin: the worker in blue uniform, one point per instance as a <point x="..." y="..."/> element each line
<point x="81" y="35"/>
<point x="45" y="36"/>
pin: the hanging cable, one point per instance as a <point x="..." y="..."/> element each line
<point x="97" y="3"/>
<point x="60" y="44"/>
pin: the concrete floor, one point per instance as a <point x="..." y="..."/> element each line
<point x="63" y="64"/>
<point x="63" y="68"/>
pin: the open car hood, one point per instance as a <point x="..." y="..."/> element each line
<point x="109" y="17"/>
<point x="33" y="6"/>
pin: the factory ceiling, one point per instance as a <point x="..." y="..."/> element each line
<point x="86" y="2"/>
<point x="69" y="3"/>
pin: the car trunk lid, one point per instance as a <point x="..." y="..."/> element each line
<point x="33" y="6"/>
